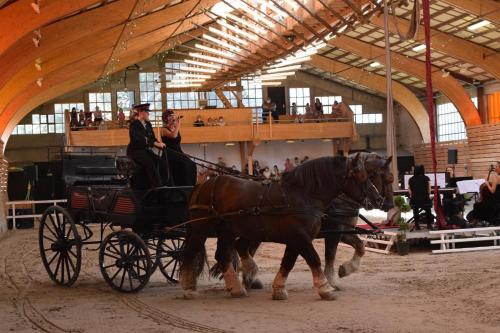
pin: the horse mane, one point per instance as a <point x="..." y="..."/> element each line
<point x="316" y="175"/>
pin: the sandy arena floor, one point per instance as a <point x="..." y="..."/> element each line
<point x="417" y="293"/>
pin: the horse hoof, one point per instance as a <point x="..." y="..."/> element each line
<point x="239" y="293"/>
<point x="190" y="294"/>
<point x="257" y="284"/>
<point x="327" y="296"/>
<point x="342" y="271"/>
<point x="280" y="294"/>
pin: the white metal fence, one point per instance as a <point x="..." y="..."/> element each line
<point x="13" y="205"/>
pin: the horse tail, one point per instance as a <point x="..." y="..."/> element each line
<point x="194" y="258"/>
<point x="217" y="270"/>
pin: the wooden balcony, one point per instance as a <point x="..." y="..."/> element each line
<point x="239" y="128"/>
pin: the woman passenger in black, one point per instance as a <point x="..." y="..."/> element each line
<point x="182" y="169"/>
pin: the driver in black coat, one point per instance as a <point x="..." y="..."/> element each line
<point x="145" y="150"/>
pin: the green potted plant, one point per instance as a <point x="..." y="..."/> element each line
<point x="402" y="244"/>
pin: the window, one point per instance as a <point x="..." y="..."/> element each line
<point x="365" y="118"/>
<point x="300" y="96"/>
<point x="179" y="100"/>
<point x="103" y="102"/>
<point x="327" y="102"/>
<point x="214" y="101"/>
<point x="125" y="99"/>
<point x="252" y="93"/>
<point x="450" y="125"/>
<point x="150" y="87"/>
<point x="47" y="123"/>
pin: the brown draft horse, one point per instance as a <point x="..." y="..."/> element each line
<point x="342" y="215"/>
<point x="289" y="213"/>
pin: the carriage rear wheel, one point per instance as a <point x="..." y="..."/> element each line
<point x="125" y="261"/>
<point x="60" y="246"/>
<point x="169" y="255"/>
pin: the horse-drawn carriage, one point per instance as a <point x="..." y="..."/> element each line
<point x="137" y="245"/>
<point x="146" y="227"/>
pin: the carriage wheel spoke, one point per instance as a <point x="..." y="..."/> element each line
<point x="71" y="262"/>
<point x="72" y="253"/>
<point x="52" y="259"/>
<point x="56" y="235"/>
<point x="111" y="256"/>
<point x="68" y="268"/>
<point x="130" y="281"/>
<point x="167" y="264"/>
<point x="49" y="239"/>
<point x="69" y="231"/>
<point x="116" y="273"/>
<point x="62" y="267"/>
<point x="56" y="228"/>
<point x="58" y="264"/>
<point x="123" y="278"/>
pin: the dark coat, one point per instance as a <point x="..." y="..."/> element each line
<point x="141" y="137"/>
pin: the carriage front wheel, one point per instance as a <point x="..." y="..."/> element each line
<point x="125" y="261"/>
<point x="60" y="246"/>
<point x="169" y="255"/>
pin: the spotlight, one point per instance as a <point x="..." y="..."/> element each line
<point x="445" y="73"/>
<point x="39" y="82"/>
<point x="36" y="6"/>
<point x="37" y="35"/>
<point x="38" y="64"/>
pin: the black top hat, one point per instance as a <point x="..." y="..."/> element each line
<point x="142" y="107"/>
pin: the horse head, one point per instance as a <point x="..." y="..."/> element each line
<point x="359" y="187"/>
<point x="381" y="176"/>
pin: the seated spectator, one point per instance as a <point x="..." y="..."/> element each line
<point x="306" y="158"/>
<point x="221" y="121"/>
<point x="296" y="161"/>
<point x="121" y="118"/>
<point x="199" y="122"/>
<point x="318" y="109"/>
<point x="266" y="173"/>
<point x="276" y="173"/>
<point x="210" y="121"/>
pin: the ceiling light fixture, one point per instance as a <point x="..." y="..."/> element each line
<point x="478" y="25"/>
<point x="227" y="36"/>
<point x="237" y="30"/>
<point x="255" y="14"/>
<point x="36" y="6"/>
<point x="191" y="85"/>
<point x="191" y="75"/>
<point x="214" y="51"/>
<point x="375" y="64"/>
<point x="284" y="69"/>
<point x="203" y="64"/>
<point x="197" y="69"/>
<point x="270" y="83"/>
<point x="222" y="43"/>
<point x="293" y="61"/>
<point x="209" y="58"/>
<point x="186" y="81"/>
<point x="247" y="24"/>
<point x="419" y="48"/>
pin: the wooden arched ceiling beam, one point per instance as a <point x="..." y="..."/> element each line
<point x="19" y="19"/>
<point x="61" y="83"/>
<point x="456" y="47"/>
<point x="402" y="95"/>
<point x="91" y="24"/>
<point x="485" y="9"/>
<point x="449" y="86"/>
<point x="88" y="46"/>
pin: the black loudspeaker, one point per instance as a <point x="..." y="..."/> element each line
<point x="452" y="156"/>
<point x="31" y="173"/>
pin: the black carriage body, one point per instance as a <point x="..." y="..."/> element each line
<point x="127" y="208"/>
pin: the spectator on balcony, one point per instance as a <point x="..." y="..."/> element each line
<point x="266" y="173"/>
<point x="276" y="173"/>
<point x="318" y="109"/>
<point x="336" y="109"/>
<point x="74" y="118"/>
<point x="309" y="112"/>
<point x="97" y="116"/>
<point x="274" y="112"/>
<point x="296" y="161"/>
<point x="121" y="118"/>
<point x="221" y="121"/>
<point x="88" y="117"/>
<point x="199" y="122"/>
<point x="267" y="108"/>
<point x="306" y="158"/>
<point x="81" y="119"/>
<point x="288" y="165"/>
<point x="293" y="109"/>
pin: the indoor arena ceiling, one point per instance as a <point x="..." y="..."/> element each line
<point x="53" y="47"/>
